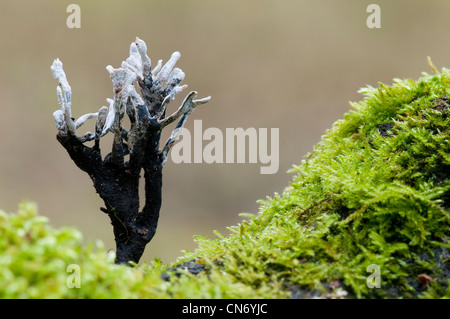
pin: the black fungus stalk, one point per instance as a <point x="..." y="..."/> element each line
<point x="117" y="180"/>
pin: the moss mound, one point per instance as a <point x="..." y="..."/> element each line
<point x="368" y="208"/>
<point x="375" y="191"/>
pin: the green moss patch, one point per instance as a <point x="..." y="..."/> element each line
<point x="375" y="191"/>
<point x="36" y="261"/>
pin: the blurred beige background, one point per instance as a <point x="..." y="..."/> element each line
<point x="292" y="65"/>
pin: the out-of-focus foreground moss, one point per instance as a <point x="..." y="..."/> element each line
<point x="375" y="191"/>
<point x="36" y="262"/>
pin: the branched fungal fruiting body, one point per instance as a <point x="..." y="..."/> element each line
<point x="117" y="180"/>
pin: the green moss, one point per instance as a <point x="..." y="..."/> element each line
<point x="374" y="191"/>
<point x="34" y="261"/>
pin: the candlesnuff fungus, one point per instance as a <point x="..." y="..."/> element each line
<point x="116" y="179"/>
